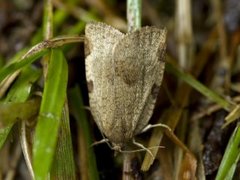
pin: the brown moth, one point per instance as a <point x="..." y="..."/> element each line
<point x="124" y="73"/>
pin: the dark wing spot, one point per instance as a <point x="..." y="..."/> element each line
<point x="90" y="86"/>
<point x="130" y="77"/>
<point x="155" y="91"/>
<point x="162" y="53"/>
<point x="128" y="70"/>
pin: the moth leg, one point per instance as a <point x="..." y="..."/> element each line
<point x="150" y="126"/>
<point x="105" y="140"/>
<point x="142" y="147"/>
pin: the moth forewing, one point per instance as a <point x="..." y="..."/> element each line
<point x="124" y="73"/>
<point x="100" y="38"/>
<point x="139" y="57"/>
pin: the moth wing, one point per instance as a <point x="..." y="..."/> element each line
<point x="100" y="39"/>
<point x="139" y="66"/>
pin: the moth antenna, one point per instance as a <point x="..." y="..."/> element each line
<point x="104" y="137"/>
<point x="87" y="108"/>
<point x="139" y="150"/>
<point x="105" y="140"/>
<point x="150" y="126"/>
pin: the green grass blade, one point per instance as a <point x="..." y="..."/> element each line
<point x="54" y="95"/>
<point x="19" y="92"/>
<point x="77" y="107"/>
<point x="63" y="165"/>
<point x="231" y="172"/>
<point x="4" y="72"/>
<point x="15" y="58"/>
<point x="22" y="87"/>
<point x="38" y="51"/>
<point x="4" y="134"/>
<point x="18" y="55"/>
<point x="2" y="61"/>
<point x="13" y="111"/>
<point x="230" y="156"/>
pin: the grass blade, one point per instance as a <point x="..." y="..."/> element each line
<point x="199" y="87"/>
<point x="14" y="111"/>
<point x="63" y="165"/>
<point x="79" y="114"/>
<point x="19" y="92"/>
<point x="54" y="96"/>
<point x="4" y="72"/>
<point x="38" y="51"/>
<point x="231" y="155"/>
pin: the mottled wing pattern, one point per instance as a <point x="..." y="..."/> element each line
<point x="139" y="66"/>
<point x="124" y="74"/>
<point x="100" y="40"/>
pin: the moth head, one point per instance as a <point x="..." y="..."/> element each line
<point x="117" y="147"/>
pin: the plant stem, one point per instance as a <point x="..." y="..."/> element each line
<point x="127" y="168"/>
<point x="134" y="22"/>
<point x="134" y="13"/>
<point x="47" y="30"/>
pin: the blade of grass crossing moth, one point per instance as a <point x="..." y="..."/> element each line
<point x="212" y="95"/>
<point x="63" y="165"/>
<point x="199" y="87"/>
<point x="19" y="92"/>
<point x="230" y="155"/>
<point x="53" y="99"/>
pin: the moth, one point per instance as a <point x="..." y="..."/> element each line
<point x="124" y="74"/>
